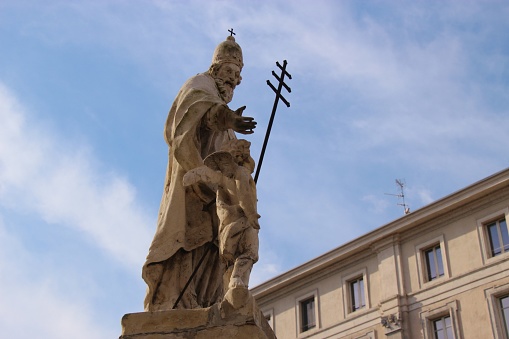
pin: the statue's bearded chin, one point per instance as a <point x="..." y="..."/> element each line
<point x="225" y="90"/>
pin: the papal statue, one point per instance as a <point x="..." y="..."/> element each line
<point x="200" y="124"/>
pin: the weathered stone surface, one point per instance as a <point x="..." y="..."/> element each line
<point x="219" y="321"/>
<point x="208" y="211"/>
<point x="237" y="297"/>
<point x="163" y="321"/>
<point x="200" y="123"/>
<point x="228" y="172"/>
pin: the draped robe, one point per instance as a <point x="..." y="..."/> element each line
<point x="185" y="226"/>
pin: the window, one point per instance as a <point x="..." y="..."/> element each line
<point x="357" y="298"/>
<point x="498" y="237"/>
<point x="504" y="310"/>
<point x="494" y="236"/>
<point x="434" y="262"/>
<point x="442" y="328"/>
<point x="307" y="314"/>
<point x="355" y="292"/>
<point x="498" y="305"/>
<point x="441" y="321"/>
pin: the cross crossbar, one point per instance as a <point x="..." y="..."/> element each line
<point x="283" y="68"/>
<point x="279" y="79"/>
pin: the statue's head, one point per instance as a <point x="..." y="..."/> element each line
<point x="226" y="66"/>
<point x="228" y="51"/>
<point x="221" y="161"/>
<point x="239" y="149"/>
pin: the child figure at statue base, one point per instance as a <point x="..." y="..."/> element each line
<point x="228" y="172"/>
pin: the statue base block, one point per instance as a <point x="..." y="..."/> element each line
<point x="222" y="320"/>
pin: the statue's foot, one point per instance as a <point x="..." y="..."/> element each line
<point x="237" y="296"/>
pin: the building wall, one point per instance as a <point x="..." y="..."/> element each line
<point x="331" y="299"/>
<point x="401" y="302"/>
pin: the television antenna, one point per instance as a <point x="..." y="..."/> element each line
<point x="401" y="185"/>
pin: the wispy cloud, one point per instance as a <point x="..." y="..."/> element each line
<point x="61" y="182"/>
<point x="33" y="305"/>
<point x="380" y="91"/>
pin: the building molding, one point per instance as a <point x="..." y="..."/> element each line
<point x="428" y="316"/>
<point x="483" y="236"/>
<point x="497" y="323"/>
<point x="420" y="274"/>
<point x="421" y="261"/>
<point x="298" y="313"/>
<point x="346" y="279"/>
<point x="440" y="211"/>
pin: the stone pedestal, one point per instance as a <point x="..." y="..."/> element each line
<point x="219" y="321"/>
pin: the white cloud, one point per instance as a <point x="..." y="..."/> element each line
<point x="33" y="305"/>
<point x="61" y="182"/>
<point x="372" y="99"/>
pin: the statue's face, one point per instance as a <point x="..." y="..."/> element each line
<point x="229" y="74"/>
<point x="227" y="77"/>
<point x="240" y="154"/>
<point x="227" y="167"/>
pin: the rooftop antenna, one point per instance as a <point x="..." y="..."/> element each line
<point x="401" y="184"/>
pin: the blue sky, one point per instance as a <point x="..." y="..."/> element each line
<point x="380" y="91"/>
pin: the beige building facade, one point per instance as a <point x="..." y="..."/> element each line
<point x="439" y="272"/>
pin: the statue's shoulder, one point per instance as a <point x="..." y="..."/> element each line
<point x="201" y="81"/>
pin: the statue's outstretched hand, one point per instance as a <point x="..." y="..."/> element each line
<point x="244" y="125"/>
<point x="239" y="123"/>
<point x="240" y="110"/>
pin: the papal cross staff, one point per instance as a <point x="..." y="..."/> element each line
<point x="274" y="108"/>
<point x="267" y="134"/>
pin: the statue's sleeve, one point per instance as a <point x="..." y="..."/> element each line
<point x="197" y="97"/>
<point x="217" y="118"/>
<point x="202" y="174"/>
<point x="186" y="145"/>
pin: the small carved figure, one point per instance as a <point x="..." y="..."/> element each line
<point x="229" y="172"/>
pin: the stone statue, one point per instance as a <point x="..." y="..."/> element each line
<point x="229" y="172"/>
<point x="198" y="124"/>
